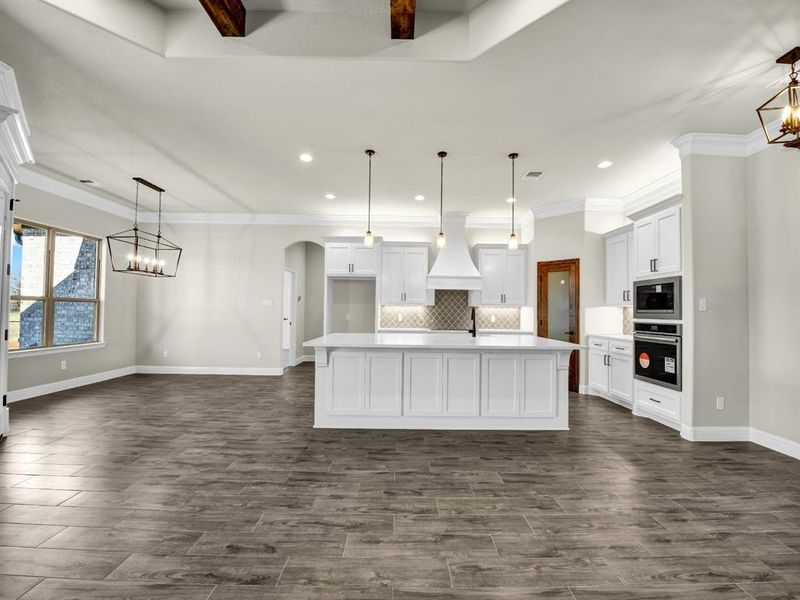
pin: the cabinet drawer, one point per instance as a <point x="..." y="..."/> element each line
<point x="625" y="348"/>
<point x="598" y="344"/>
<point x="662" y="404"/>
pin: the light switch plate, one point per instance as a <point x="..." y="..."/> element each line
<point x="720" y="402"/>
<point x="63" y="365"/>
<point x="702" y="305"/>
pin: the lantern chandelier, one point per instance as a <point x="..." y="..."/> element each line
<point x="139" y="252"/>
<point x="787" y="101"/>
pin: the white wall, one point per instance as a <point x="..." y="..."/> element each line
<point x="119" y="304"/>
<point x="773" y="259"/>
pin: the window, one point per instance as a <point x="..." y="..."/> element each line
<point x="54" y="287"/>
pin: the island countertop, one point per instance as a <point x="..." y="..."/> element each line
<point x="441" y="341"/>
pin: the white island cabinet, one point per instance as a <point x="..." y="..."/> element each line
<point x="440" y="381"/>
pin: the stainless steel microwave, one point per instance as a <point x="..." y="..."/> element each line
<point x="657" y="298"/>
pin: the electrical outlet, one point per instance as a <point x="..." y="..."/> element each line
<point x="346" y="316"/>
<point x="720" y="402"/>
<point x="258" y="355"/>
<point x="493" y="318"/>
<point x="400" y="317"/>
<point x="702" y="304"/>
<point x="63" y="365"/>
<point x="164" y="353"/>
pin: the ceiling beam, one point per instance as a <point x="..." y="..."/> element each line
<point x="403" y="13"/>
<point x="227" y="15"/>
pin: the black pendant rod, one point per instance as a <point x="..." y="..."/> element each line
<point x="441" y="156"/>
<point x="369" y="153"/>
<point x="513" y="156"/>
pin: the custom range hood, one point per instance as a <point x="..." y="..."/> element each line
<point x="453" y="268"/>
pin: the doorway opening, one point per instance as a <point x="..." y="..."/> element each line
<point x="558" y="307"/>
<point x="288" y="351"/>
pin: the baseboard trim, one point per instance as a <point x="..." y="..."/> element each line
<point x="715" y="434"/>
<point x="775" y="442"/>
<point x="173" y="370"/>
<point x="67" y="384"/>
<point x="583" y="389"/>
<point x="303" y="359"/>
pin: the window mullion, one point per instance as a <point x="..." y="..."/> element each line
<point x="50" y="307"/>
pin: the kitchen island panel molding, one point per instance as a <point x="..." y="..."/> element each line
<point x="449" y="382"/>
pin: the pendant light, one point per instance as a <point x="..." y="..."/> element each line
<point x="369" y="241"/>
<point x="787" y="103"/>
<point x="441" y="239"/>
<point x="144" y="253"/>
<point x="513" y="244"/>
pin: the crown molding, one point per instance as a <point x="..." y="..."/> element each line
<point x="724" y="144"/>
<point x="580" y="205"/>
<point x="665" y="187"/>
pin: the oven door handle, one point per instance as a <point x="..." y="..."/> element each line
<point x="657" y="338"/>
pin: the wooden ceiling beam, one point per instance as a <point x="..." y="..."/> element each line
<point x="403" y="13"/>
<point x="227" y="15"/>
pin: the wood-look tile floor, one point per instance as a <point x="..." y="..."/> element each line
<point x="196" y="487"/>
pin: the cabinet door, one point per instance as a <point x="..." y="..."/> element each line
<point x="620" y="378"/>
<point x="500" y="382"/>
<point x="422" y="384"/>
<point x="644" y="243"/>
<point x="461" y="381"/>
<point x="514" y="278"/>
<point x="631" y="269"/>
<point x="598" y="371"/>
<point x="492" y="265"/>
<point x="668" y="238"/>
<point x="392" y="275"/>
<point x="415" y="275"/>
<point x="384" y="383"/>
<point x="346" y="381"/>
<point x="539" y="389"/>
<point x="338" y="258"/>
<point x="617" y="270"/>
<point x="365" y="260"/>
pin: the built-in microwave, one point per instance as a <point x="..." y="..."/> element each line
<point x="657" y="298"/>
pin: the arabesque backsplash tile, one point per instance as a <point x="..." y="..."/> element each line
<point x="450" y="311"/>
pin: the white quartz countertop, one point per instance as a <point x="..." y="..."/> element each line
<point x="441" y="341"/>
<point x="612" y="336"/>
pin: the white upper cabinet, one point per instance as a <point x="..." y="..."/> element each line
<point x="404" y="275"/>
<point x="619" y="271"/>
<point x="657" y="244"/>
<point x="502" y="277"/>
<point x="349" y="259"/>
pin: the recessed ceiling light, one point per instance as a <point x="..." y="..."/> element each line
<point x="604" y="164"/>
<point x="330" y="196"/>
<point x="306" y="157"/>
<point x="419" y="197"/>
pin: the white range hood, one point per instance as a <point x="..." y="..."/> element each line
<point x="453" y="268"/>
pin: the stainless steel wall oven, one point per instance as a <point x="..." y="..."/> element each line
<point x="657" y="354"/>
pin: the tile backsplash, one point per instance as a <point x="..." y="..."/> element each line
<point x="451" y="311"/>
<point x="627" y="320"/>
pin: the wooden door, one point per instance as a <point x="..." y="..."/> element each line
<point x="558" y="307"/>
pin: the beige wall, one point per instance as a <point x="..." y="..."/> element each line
<point x="714" y="203"/>
<point x="119" y="305"/>
<point x="353" y="306"/>
<point x="315" y="284"/>
<point x="773" y="259"/>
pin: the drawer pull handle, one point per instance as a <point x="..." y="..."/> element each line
<point x="618" y="348"/>
<point x="656" y="401"/>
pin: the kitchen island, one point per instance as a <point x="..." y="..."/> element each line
<point x="441" y="381"/>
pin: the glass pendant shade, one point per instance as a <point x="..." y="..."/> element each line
<point x="785" y="105"/>
<point x="441" y="240"/>
<point x="513" y="244"/>
<point x="369" y="240"/>
<point x="139" y="252"/>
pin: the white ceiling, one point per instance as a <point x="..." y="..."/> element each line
<point x="589" y="81"/>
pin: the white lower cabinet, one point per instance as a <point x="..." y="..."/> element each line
<point x="657" y="403"/>
<point x="384" y="383"/>
<point x="461" y="384"/>
<point x="539" y="396"/>
<point x="500" y="385"/>
<point x="346" y="381"/>
<point x="422" y="384"/>
<point x="611" y="369"/>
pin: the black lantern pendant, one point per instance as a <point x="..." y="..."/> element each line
<point x="787" y="103"/>
<point x="139" y="252"/>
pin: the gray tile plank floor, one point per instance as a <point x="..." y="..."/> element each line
<point x="222" y="489"/>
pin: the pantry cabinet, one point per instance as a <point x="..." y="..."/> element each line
<point x="620" y="267"/>
<point x="657" y="244"/>
<point x="503" y="276"/>
<point x="404" y="274"/>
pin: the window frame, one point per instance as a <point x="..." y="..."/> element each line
<point x="49" y="300"/>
